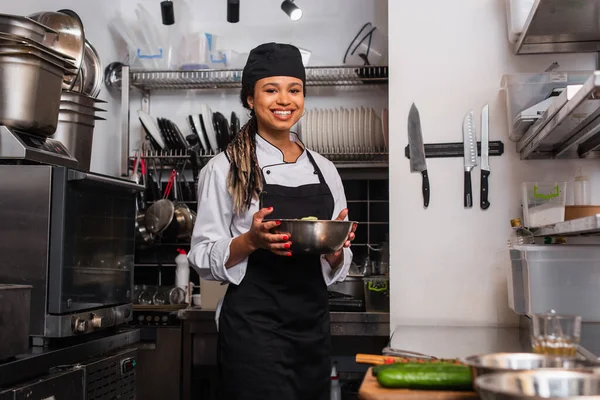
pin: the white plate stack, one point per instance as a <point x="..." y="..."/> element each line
<point x="345" y="133"/>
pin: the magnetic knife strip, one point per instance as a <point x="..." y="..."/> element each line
<point x="447" y="150"/>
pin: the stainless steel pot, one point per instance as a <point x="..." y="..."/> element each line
<point x="72" y="106"/>
<point x="23" y="26"/>
<point x="78" y="138"/>
<point x="80" y="118"/>
<point x="79" y="98"/>
<point x="31" y="89"/>
<point x="352" y="286"/>
<point x="11" y="40"/>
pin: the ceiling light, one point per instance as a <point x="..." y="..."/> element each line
<point x="167" y="13"/>
<point x="233" y="11"/>
<point x="292" y="10"/>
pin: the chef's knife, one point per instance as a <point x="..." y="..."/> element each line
<point x="485" y="158"/>
<point x="470" y="155"/>
<point x="417" y="151"/>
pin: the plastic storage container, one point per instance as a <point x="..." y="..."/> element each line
<point x="556" y="277"/>
<point x="543" y="203"/>
<point x="377" y="293"/>
<point x="517" y="12"/>
<point x="526" y="90"/>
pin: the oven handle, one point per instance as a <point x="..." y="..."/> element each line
<point x="79" y="176"/>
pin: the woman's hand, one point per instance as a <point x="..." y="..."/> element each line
<point x="336" y="258"/>
<point x="260" y="237"/>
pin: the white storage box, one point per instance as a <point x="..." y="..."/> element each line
<point x="565" y="278"/>
<point x="543" y="203"/>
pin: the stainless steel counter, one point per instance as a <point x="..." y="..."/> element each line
<point x="342" y="323"/>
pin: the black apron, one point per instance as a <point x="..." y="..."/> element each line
<point x="274" y="331"/>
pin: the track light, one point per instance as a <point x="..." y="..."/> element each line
<point x="292" y="10"/>
<point x="233" y="11"/>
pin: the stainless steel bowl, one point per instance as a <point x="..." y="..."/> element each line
<point x="508" y="362"/>
<point x="316" y="236"/>
<point x="91" y="76"/>
<point x="539" y="384"/>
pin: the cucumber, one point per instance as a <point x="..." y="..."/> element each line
<point x="375" y="370"/>
<point x="428" y="377"/>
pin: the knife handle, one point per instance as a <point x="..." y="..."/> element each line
<point x="425" y="188"/>
<point x="485" y="204"/>
<point x="468" y="191"/>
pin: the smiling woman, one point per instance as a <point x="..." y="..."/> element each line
<point x="274" y="334"/>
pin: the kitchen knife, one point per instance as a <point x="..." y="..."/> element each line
<point x="417" y="151"/>
<point x="470" y="155"/>
<point x="485" y="158"/>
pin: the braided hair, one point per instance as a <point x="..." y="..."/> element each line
<point x="244" y="181"/>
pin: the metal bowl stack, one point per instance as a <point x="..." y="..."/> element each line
<point x="78" y="99"/>
<point x="31" y="76"/>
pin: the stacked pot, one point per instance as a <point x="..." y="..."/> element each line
<point x="50" y="76"/>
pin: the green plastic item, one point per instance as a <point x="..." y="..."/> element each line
<point x="546" y="196"/>
<point x="376" y="288"/>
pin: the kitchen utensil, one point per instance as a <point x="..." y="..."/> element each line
<point x="77" y="137"/>
<point x="470" y="156"/>
<point x="82" y="99"/>
<point x="548" y="383"/>
<point x="18" y="25"/>
<point x="15" y="309"/>
<point x="315" y="236"/>
<point x="507" y="362"/>
<point x="8" y="39"/>
<point x="151" y="128"/>
<point x="485" y="158"/>
<point x="389" y="351"/>
<point x="555" y="334"/>
<point x="33" y="101"/>
<point x="90" y="80"/>
<point x="72" y="106"/>
<point x="70" y="40"/>
<point x="160" y="214"/>
<point x="455" y="149"/>
<point x="417" y="151"/>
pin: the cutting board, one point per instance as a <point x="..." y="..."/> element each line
<point x="371" y="390"/>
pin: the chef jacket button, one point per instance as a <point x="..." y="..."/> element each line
<point x="268" y="172"/>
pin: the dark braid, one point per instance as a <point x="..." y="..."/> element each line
<point x="244" y="181"/>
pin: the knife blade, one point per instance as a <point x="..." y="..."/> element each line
<point x="485" y="158"/>
<point x="470" y="156"/>
<point x="417" y="151"/>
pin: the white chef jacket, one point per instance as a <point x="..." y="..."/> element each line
<point x="217" y="225"/>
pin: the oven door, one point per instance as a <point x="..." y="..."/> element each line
<point x="91" y="242"/>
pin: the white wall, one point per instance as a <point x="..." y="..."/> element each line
<point x="449" y="264"/>
<point x="327" y="27"/>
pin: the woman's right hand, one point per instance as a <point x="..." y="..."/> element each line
<point x="260" y="237"/>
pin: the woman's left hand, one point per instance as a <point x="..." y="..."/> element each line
<point x="336" y="258"/>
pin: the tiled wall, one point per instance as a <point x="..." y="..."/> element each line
<point x="368" y="203"/>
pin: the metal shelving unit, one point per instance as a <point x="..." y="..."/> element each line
<point x="146" y="81"/>
<point x="570" y="128"/>
<point x="561" y="27"/>
<point x="588" y="226"/>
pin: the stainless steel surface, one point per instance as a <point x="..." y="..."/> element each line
<point x="39" y="360"/>
<point x="557" y="277"/>
<point x="30" y="88"/>
<point x="23" y="26"/>
<point x="15" y="309"/>
<point x="587" y="355"/>
<point x="90" y="80"/>
<point x="67" y="384"/>
<point x="84" y="100"/>
<point x="415" y="141"/>
<point x="59" y="58"/>
<point x="317" y="236"/>
<point x="538" y="384"/>
<point x="123" y="183"/>
<point x="575" y="227"/>
<point x="201" y="79"/>
<point x="485" y="139"/>
<point x="45" y="204"/>
<point x="70" y="40"/>
<point x="505" y="362"/>
<point x="125" y="131"/>
<point x="13" y="148"/>
<point x="73" y="116"/>
<point x="158" y="216"/>
<point x="561" y="27"/>
<point x="87" y="322"/>
<point x="469" y="142"/>
<point x="573" y="131"/>
<point x="76" y="107"/>
<point x="78" y="138"/>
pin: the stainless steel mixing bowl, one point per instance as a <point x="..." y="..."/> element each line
<point x="539" y="384"/>
<point x="510" y="362"/>
<point x="315" y="236"/>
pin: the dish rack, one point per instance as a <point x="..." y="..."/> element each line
<point x="120" y="76"/>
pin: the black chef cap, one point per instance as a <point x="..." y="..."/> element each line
<point x="273" y="59"/>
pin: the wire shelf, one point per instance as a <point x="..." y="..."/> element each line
<point x="212" y="78"/>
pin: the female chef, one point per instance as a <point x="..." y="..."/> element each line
<point x="274" y="333"/>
